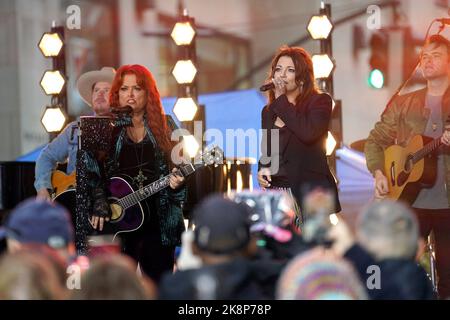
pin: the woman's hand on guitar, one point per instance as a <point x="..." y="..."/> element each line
<point x="176" y="179"/>
<point x="101" y="210"/>
<point x="43" y="194"/>
<point x="381" y="185"/>
<point x="264" y="177"/>
<point x="97" y="221"/>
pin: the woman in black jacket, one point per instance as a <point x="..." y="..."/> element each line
<point x="300" y="115"/>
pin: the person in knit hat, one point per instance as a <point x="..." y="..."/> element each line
<point x="319" y="275"/>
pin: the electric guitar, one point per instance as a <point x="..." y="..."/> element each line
<point x="125" y="201"/>
<point x="411" y="168"/>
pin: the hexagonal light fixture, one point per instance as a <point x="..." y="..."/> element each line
<point x="50" y="44"/>
<point x="319" y="27"/>
<point x="323" y="66"/>
<point x="185" y="109"/>
<point x="53" y="119"/>
<point x="330" y="144"/>
<point x="52" y="82"/>
<point x="182" y="33"/>
<point x="190" y="145"/>
<point x="184" y="71"/>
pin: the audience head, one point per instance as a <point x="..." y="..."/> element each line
<point x="222" y="227"/>
<point x="319" y="275"/>
<point x="37" y="221"/>
<point x="27" y="275"/>
<point x="114" y="277"/>
<point x="388" y="229"/>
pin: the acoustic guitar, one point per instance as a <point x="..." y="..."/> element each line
<point x="126" y="202"/>
<point x="412" y="168"/>
<point x="62" y="182"/>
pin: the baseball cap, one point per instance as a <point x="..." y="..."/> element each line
<point x="221" y="225"/>
<point x="39" y="221"/>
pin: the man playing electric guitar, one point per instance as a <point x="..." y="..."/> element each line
<point x="423" y="112"/>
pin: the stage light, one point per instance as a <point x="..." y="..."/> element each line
<point x="323" y="66"/>
<point x="184" y="71"/>
<point x="191" y="145"/>
<point x="319" y="27"/>
<point x="50" y="44"/>
<point x="52" y="82"/>
<point x="185" y="109"/>
<point x="183" y="33"/>
<point x="53" y="119"/>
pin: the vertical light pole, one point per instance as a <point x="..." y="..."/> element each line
<point x="54" y="81"/>
<point x="184" y="71"/>
<point x="320" y="28"/>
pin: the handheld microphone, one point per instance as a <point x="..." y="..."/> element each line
<point x="122" y="110"/>
<point x="267" y="86"/>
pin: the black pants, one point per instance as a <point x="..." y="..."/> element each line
<point x="439" y="222"/>
<point x="144" y="246"/>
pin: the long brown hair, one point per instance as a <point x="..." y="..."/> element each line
<point x="155" y="113"/>
<point x="304" y="72"/>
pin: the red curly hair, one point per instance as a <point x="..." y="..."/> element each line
<point x="156" y="117"/>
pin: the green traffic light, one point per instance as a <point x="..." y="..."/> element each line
<point x="376" y="79"/>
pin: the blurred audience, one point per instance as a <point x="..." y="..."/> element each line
<point x="39" y="222"/>
<point x="272" y="222"/>
<point x="28" y="275"/>
<point x="114" y="277"/>
<point x="387" y="237"/>
<point x="319" y="275"/>
<point x="223" y="242"/>
<point x="243" y="247"/>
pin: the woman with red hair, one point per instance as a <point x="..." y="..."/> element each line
<point x="142" y="152"/>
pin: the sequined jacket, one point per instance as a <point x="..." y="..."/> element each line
<point x="170" y="201"/>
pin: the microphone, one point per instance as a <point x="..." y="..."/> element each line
<point x="267" y="86"/>
<point x="122" y="110"/>
<point x="444" y="20"/>
<point x="121" y="116"/>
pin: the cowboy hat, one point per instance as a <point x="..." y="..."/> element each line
<point x="87" y="80"/>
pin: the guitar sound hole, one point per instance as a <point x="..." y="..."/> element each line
<point x="116" y="212"/>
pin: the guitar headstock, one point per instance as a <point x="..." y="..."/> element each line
<point x="212" y="155"/>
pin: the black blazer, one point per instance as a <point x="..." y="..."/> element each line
<point x="304" y="149"/>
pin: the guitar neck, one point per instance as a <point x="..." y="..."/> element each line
<point x="428" y="148"/>
<point x="156" y="186"/>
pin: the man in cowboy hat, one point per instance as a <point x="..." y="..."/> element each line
<point x="94" y="88"/>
